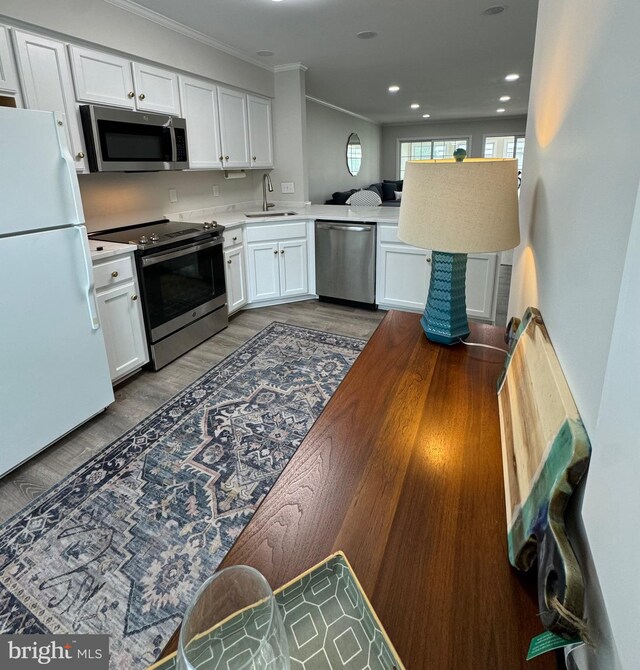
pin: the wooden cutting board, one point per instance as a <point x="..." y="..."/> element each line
<point x="545" y="453"/>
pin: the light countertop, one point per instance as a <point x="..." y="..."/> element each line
<point x="333" y="212"/>
<point x="101" y="249"/>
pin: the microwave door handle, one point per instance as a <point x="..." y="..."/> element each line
<point x="70" y="167"/>
<point x="89" y="285"/>
<point x="174" y="150"/>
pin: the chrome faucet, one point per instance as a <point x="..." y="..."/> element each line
<point x="266" y="184"/>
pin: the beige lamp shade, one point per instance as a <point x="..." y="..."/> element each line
<point x="460" y="207"/>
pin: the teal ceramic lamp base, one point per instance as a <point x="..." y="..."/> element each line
<point x="445" y="315"/>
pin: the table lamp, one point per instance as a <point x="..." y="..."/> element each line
<point x="453" y="208"/>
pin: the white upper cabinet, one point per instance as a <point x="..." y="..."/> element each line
<point x="200" y="109"/>
<point x="46" y="84"/>
<point x="234" y="136"/>
<point x="104" y="79"/>
<point x="156" y="89"/>
<point x="101" y="78"/>
<point x="260" y="140"/>
<point x="8" y="74"/>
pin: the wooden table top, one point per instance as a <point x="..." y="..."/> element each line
<point x="402" y="471"/>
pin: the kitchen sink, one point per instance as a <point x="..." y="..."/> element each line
<point x="259" y="215"/>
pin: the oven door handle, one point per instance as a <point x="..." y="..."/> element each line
<point x="183" y="251"/>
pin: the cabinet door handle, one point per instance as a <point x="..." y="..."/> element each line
<point x="142" y="96"/>
<point x="254" y="158"/>
<point x="281" y="251"/>
<point x="428" y="259"/>
<point x="131" y="94"/>
<point x="226" y="158"/>
<point x="114" y="274"/>
<point x="235" y="238"/>
<point x="80" y="155"/>
<point x="275" y="251"/>
<point x="221" y="158"/>
<point x="134" y="297"/>
<point x="229" y="262"/>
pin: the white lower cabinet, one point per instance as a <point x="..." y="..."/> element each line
<point x="403" y="276"/>
<point x="120" y="315"/>
<point x="481" y="283"/>
<point x="235" y="278"/>
<point x="403" y="273"/>
<point x="278" y="260"/>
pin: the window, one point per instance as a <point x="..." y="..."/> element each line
<point x="505" y="146"/>
<point x="415" y="150"/>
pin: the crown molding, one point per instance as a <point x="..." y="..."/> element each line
<point x="286" y="67"/>
<point x="341" y="109"/>
<point x="176" y="27"/>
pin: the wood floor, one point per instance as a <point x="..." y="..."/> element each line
<point x="141" y="395"/>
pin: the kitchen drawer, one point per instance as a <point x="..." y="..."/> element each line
<point x="265" y="232"/>
<point x="111" y="272"/>
<point x="387" y="233"/>
<point x="232" y="237"/>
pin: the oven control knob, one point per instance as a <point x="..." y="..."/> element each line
<point x="208" y="225"/>
<point x="154" y="237"/>
<point x="143" y="240"/>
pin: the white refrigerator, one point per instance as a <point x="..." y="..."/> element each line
<point x="53" y="364"/>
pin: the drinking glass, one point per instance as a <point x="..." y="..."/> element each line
<point x="233" y="623"/>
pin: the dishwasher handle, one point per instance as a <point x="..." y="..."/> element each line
<point x="347" y="228"/>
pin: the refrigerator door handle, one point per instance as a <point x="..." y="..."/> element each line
<point x="71" y="168"/>
<point x="89" y="287"/>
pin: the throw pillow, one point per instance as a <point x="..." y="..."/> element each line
<point x="398" y="195"/>
<point x="377" y="188"/>
<point x="364" y="198"/>
<point x="388" y="190"/>
<point x="398" y="182"/>
<point x="341" y="197"/>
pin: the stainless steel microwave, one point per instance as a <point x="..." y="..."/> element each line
<point x="119" y="140"/>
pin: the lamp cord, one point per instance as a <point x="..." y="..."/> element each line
<point x="484" y="346"/>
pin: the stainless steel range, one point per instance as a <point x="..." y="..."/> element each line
<point x="181" y="274"/>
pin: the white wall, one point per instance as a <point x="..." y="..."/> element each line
<point x="582" y="170"/>
<point x="475" y="129"/>
<point x="290" y="135"/>
<point x="327" y="133"/>
<point x="119" y="199"/>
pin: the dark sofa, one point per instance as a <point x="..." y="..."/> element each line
<point x="385" y="189"/>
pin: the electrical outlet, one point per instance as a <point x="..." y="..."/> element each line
<point x="216" y="191"/>
<point x="173" y="195"/>
<point x="287" y="187"/>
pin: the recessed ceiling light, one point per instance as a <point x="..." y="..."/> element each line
<point x="500" y="110"/>
<point x="394" y="89"/>
<point x="415" y="105"/>
<point x="366" y="34"/>
<point x="426" y="116"/>
<point x="505" y="98"/>
<point x="265" y="52"/>
<point x="277" y="0"/>
<point x="495" y="9"/>
<point x="512" y="77"/>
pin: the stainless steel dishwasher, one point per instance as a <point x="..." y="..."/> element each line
<point x="346" y="262"/>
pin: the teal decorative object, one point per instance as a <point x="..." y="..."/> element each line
<point x="456" y="207"/>
<point x="445" y="314"/>
<point x="460" y="154"/>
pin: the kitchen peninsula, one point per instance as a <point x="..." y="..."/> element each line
<point x="261" y="271"/>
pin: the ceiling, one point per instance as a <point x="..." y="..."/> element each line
<point x="445" y="55"/>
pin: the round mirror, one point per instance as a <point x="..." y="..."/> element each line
<point x="354" y="154"/>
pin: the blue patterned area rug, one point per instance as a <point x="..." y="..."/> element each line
<point x="122" y="544"/>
